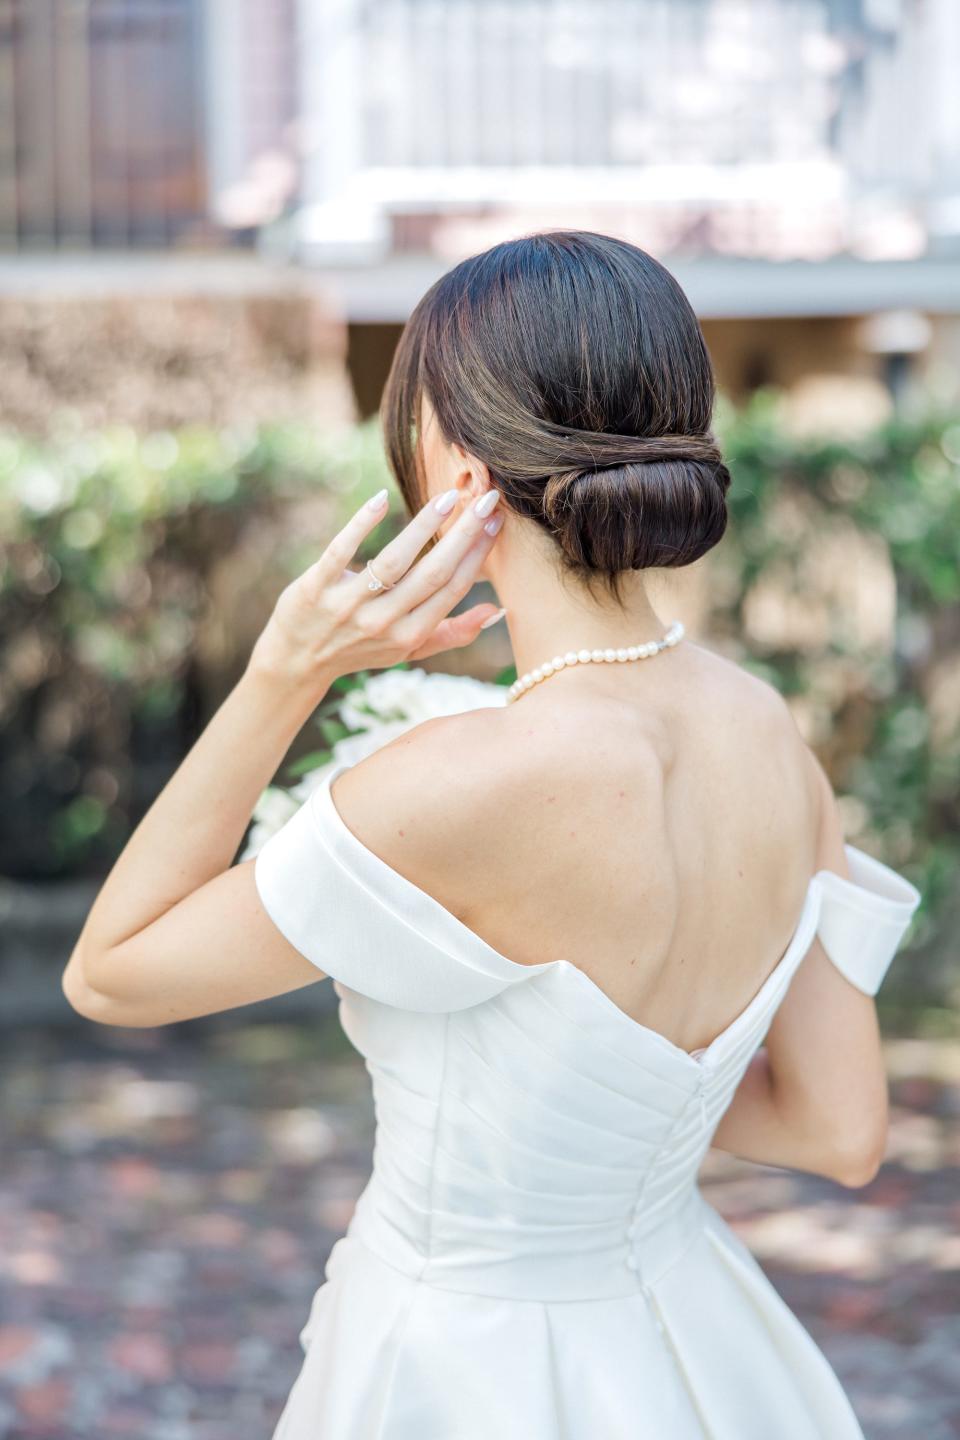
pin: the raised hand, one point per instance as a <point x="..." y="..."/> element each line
<point x="329" y="622"/>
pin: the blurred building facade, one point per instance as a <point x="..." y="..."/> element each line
<point x="775" y="129"/>
<point x="795" y="162"/>
<point x="101" y="139"/>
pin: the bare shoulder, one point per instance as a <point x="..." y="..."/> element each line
<point x="762" y="711"/>
<point x="760" y="739"/>
<point x="773" y="713"/>
<point x="463" y="804"/>
<point x="426" y="801"/>
<point x="743" y="686"/>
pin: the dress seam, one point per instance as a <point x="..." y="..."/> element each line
<point x="682" y="1370"/>
<point x="400" y="1341"/>
<point x="655" y="1162"/>
<point x="438" y="1121"/>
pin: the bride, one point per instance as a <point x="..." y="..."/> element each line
<point x="578" y="938"/>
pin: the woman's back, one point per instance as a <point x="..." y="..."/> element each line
<point x="531" y="1254"/>
<point x="657" y="830"/>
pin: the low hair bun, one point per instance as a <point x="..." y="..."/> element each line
<point x="662" y="505"/>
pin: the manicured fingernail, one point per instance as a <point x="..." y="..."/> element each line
<point x="445" y="502"/>
<point x="492" y="526"/>
<point x="376" y="502"/>
<point x="486" y="502"/>
<point x="492" y="619"/>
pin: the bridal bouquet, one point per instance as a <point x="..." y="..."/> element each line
<point x="366" y="712"/>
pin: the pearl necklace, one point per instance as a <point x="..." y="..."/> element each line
<point x="526" y="682"/>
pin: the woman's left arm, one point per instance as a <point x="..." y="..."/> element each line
<point x="178" y="930"/>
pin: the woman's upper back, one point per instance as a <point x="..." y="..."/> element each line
<point x="659" y="832"/>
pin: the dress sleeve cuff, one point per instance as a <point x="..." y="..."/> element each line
<point x="863" y="918"/>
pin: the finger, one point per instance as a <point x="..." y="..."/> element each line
<point x="431" y="574"/>
<point x="456" y="631"/>
<point x="398" y="555"/>
<point x="423" y="619"/>
<point x="332" y="565"/>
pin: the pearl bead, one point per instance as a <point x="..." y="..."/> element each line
<point x="523" y="683"/>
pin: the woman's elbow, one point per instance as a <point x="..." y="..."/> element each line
<point x="856" y="1157"/>
<point x="97" y="1008"/>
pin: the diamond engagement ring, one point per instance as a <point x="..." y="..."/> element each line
<point x="375" y="583"/>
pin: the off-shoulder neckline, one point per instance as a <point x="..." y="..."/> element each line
<point x="325" y="811"/>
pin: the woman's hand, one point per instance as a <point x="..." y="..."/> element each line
<point x="328" y="622"/>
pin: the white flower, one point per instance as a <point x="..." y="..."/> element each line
<point x="441" y="694"/>
<point x="274" y="807"/>
<point x="357" y="747"/>
<point x="414" y="695"/>
<point x="309" y="782"/>
<point x="385" y="706"/>
<point x="386" y="696"/>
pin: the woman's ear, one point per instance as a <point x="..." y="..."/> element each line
<point x="476" y="474"/>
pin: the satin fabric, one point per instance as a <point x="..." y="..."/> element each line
<point x="531" y="1258"/>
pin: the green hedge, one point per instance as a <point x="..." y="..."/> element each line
<point x="111" y="540"/>
<point x="891" y="718"/>
<point x="110" y="543"/>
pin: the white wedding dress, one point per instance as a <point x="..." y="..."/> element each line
<point x="531" y="1258"/>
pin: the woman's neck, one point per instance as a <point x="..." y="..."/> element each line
<point x="547" y="616"/>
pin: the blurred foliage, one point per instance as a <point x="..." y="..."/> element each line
<point x="111" y="545"/>
<point x="884" y="715"/>
<point x="120" y="552"/>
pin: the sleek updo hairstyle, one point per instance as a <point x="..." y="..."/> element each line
<point x="573" y="365"/>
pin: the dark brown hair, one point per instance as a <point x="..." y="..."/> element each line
<point x="573" y="366"/>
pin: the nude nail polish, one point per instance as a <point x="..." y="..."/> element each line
<point x="486" y="502"/>
<point x="445" y="502"/>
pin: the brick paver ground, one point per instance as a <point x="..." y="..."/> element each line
<point x="168" y="1199"/>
